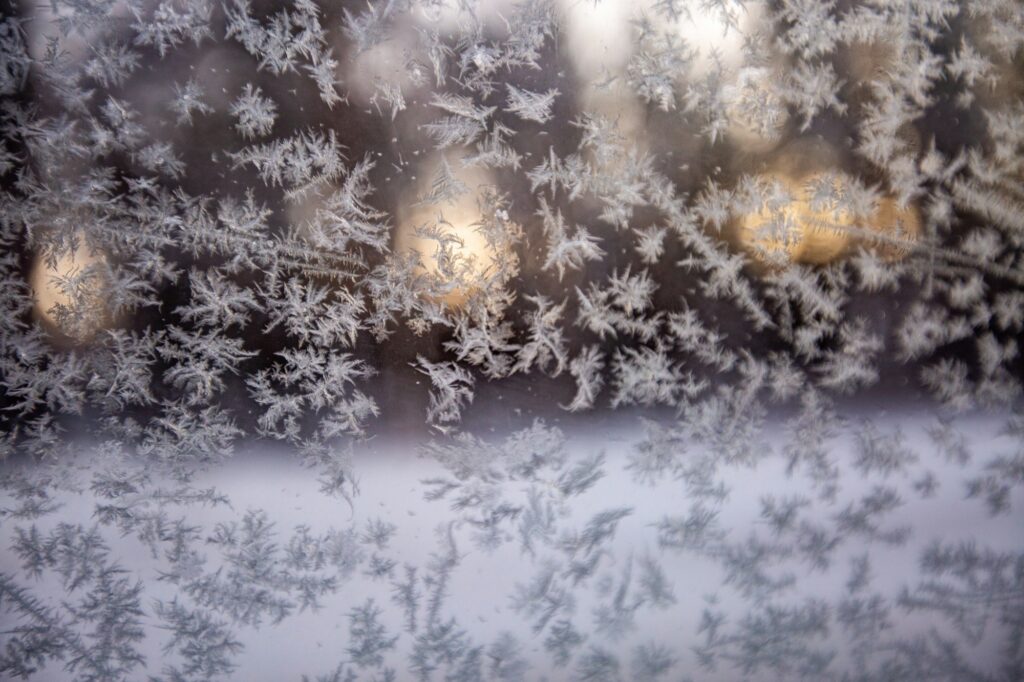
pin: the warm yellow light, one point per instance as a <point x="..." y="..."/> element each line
<point x="456" y="263"/>
<point x="791" y="229"/>
<point x="461" y="255"/>
<point x="70" y="293"/>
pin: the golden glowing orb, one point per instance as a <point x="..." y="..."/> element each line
<point x="784" y="225"/>
<point x="454" y="254"/>
<point x="70" y="292"/>
<point x="808" y="221"/>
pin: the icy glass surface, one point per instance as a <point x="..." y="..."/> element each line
<point x="491" y="340"/>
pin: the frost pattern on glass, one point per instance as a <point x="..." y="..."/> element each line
<point x="702" y="316"/>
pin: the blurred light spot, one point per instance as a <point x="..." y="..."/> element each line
<point x="71" y="293"/>
<point x="464" y="255"/>
<point x="599" y="36"/>
<point x="790" y="227"/>
<point x="716" y="30"/>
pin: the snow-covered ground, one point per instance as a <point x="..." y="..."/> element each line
<point x="779" y="593"/>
